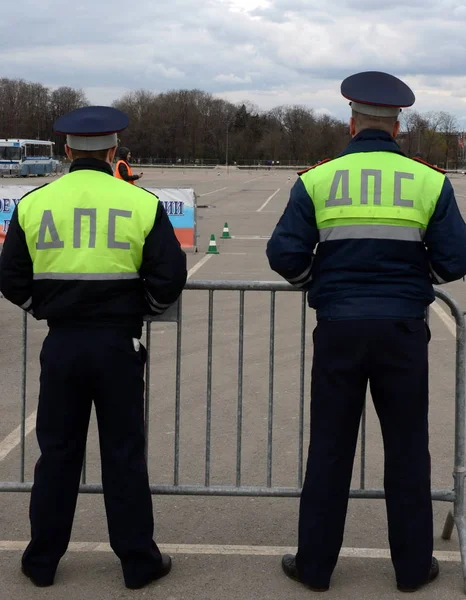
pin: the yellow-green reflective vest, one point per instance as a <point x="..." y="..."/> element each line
<point x="87" y="225"/>
<point x="380" y="195"/>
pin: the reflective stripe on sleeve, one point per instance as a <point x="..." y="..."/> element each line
<point x="303" y="279"/>
<point x="27" y="305"/>
<point x="436" y="278"/>
<point x="157" y="307"/>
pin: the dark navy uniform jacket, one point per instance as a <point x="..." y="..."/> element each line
<point x="368" y="278"/>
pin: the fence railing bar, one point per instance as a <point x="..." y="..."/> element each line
<point x="84" y="469"/>
<point x="438" y="495"/>
<point x="235" y="286"/>
<point x="147" y="391"/>
<point x="209" y="388"/>
<point x="460" y="416"/>
<point x="302" y="389"/>
<point x="239" y="417"/>
<point x="271" y="388"/>
<point x="176" y="476"/>
<point x="23" y="395"/>
<point x="363" y="447"/>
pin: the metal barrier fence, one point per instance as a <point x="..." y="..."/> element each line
<point x="455" y="495"/>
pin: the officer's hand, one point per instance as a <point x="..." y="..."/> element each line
<point x="140" y="175"/>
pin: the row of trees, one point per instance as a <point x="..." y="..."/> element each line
<point x="434" y="135"/>
<point x="28" y="110"/>
<point x="191" y="125"/>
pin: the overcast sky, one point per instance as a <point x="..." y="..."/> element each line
<point x="270" y="52"/>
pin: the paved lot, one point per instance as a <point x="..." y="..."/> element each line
<point x="225" y="547"/>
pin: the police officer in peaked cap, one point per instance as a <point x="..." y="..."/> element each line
<point x="386" y="228"/>
<point x="91" y="256"/>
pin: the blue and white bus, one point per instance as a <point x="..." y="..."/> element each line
<point x="26" y="157"/>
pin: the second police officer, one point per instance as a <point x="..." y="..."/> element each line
<point x="91" y="255"/>
<point x="386" y="228"/>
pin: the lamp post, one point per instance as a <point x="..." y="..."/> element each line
<point x="227" y="141"/>
<point x="226" y="148"/>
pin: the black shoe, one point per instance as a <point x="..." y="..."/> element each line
<point x="433" y="574"/>
<point x="290" y="569"/>
<point x="161" y="571"/>
<point x="46" y="581"/>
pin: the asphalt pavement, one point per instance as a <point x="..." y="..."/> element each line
<point x="225" y="547"/>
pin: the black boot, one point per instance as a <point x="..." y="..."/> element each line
<point x="290" y="569"/>
<point x="433" y="574"/>
<point x="161" y="571"/>
<point x="38" y="581"/>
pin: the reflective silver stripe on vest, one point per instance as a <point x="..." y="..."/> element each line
<point x="87" y="276"/>
<point x="377" y="232"/>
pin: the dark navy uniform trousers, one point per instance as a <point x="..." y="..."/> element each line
<point x="79" y="366"/>
<point x="392" y="357"/>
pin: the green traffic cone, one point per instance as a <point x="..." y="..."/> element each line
<point x="212" y="246"/>
<point x="226" y="233"/>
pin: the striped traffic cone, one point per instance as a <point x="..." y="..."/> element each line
<point x="226" y="233"/>
<point x="212" y="246"/>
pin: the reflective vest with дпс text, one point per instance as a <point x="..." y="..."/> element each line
<point x="380" y="195"/>
<point x="87" y="226"/>
<point x="130" y="171"/>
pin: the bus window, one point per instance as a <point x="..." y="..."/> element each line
<point x="38" y="150"/>
<point x="13" y="153"/>
<point x="10" y="153"/>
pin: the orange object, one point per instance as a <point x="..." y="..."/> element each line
<point x="117" y="171"/>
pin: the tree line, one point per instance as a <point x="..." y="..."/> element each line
<point x="192" y="126"/>
<point x="28" y="110"/>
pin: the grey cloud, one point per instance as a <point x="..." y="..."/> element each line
<point x="291" y="49"/>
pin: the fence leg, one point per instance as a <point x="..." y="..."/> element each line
<point x="461" y="525"/>
<point x="147" y="392"/>
<point x="460" y="446"/>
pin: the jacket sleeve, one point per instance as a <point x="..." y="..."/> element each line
<point x="16" y="272"/>
<point x="445" y="239"/>
<point x="163" y="268"/>
<point x="290" y="250"/>
<point x="123" y="170"/>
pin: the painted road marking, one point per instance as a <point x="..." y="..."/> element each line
<point x="213" y="192"/>
<point x="250" y="237"/>
<point x="229" y="550"/>
<point x="11" y="441"/>
<point x="445" y="317"/>
<point x="268" y="200"/>
<point x="198" y="265"/>
<point x="255" y="179"/>
<point x="14" y="438"/>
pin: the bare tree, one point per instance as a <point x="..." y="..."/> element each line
<point x="193" y="125"/>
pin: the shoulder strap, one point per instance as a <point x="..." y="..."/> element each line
<point x="326" y="160"/>
<point x="417" y="159"/>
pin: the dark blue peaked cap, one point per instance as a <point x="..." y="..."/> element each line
<point x="377" y="94"/>
<point x="92" y="127"/>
